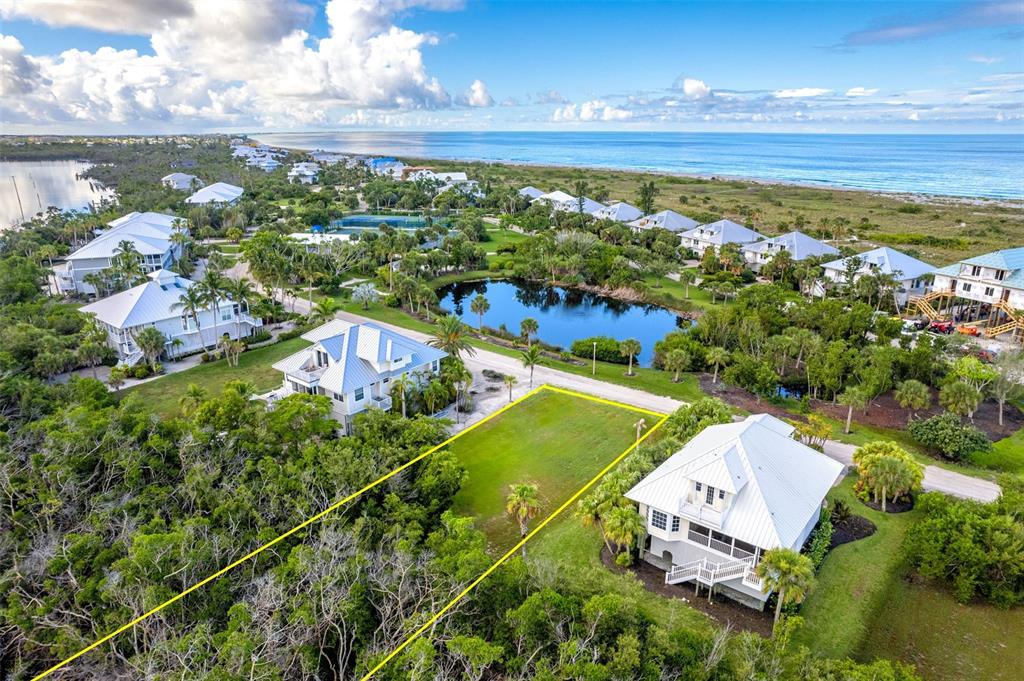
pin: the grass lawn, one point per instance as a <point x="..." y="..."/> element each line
<point x="1006" y="455"/>
<point x="853" y="581"/>
<point x="254" y="366"/>
<point x="555" y="441"/>
<point x="503" y="237"/>
<point x="947" y="641"/>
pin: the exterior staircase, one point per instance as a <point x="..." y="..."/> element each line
<point x="924" y="303"/>
<point x="709" y="573"/>
<point x="1014" y="322"/>
<point x="132" y="359"/>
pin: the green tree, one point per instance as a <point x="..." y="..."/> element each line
<point x="191" y="303"/>
<point x="365" y="295"/>
<point x="960" y="398"/>
<point x="523" y="504"/>
<point x="480" y="306"/>
<point x="854" y="397"/>
<point x="324" y="310"/>
<point x="402" y="386"/>
<point x="242" y="294"/>
<point x="118" y="376"/>
<point x="449" y="334"/>
<point x="434" y="395"/>
<point x="622" y="526"/>
<point x="887" y="470"/>
<point x="527" y="329"/>
<point x="510" y="382"/>
<point x="717" y="357"/>
<point x="90" y="353"/>
<point x="152" y="342"/>
<point x="676" y="361"/>
<point x="530" y="358"/>
<point x="786" y="572"/>
<point x="630" y="348"/>
<point x="1008" y="383"/>
<point x="645" y="197"/>
<point x="686" y="278"/>
<point x="913" y="396"/>
<point x="194" y="396"/>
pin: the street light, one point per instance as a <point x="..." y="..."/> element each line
<point x="593" y="367"/>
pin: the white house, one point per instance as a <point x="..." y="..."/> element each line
<point x="666" y="219"/>
<point x="561" y="201"/>
<point x="181" y="181"/>
<point x="910" y="273"/>
<point x="717" y="234"/>
<point x="153" y="303"/>
<point x="620" y="211"/>
<point x="150" y="233"/>
<point x="265" y="162"/>
<point x="733" y="492"/>
<point x="216" y="193"/>
<point x="353" y="365"/>
<point x="304" y="172"/>
<point x="531" y="192"/>
<point x="387" y="166"/>
<point x="797" y="244"/>
<point x="987" y="287"/>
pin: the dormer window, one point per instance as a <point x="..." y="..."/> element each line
<point x="321" y="358"/>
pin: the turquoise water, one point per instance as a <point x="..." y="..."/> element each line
<point x="953" y="165"/>
<point x="563" y="315"/>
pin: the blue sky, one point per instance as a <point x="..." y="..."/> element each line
<point x="444" y="64"/>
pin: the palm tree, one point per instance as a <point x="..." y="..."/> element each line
<point x="402" y="385"/>
<point x="213" y="288"/>
<point x="449" y="334"/>
<point x="527" y="328"/>
<point x="622" y="525"/>
<point x="913" y="395"/>
<point x="193" y="397"/>
<point x="240" y="291"/>
<point x="531" y="358"/>
<point x="717" y="357"/>
<point x="960" y="398"/>
<point x="480" y="306"/>
<point x="90" y="353"/>
<point x="523" y="504"/>
<point x="629" y="348"/>
<point x="591" y="510"/>
<point x="152" y="342"/>
<point x="176" y="344"/>
<point x="786" y="572"/>
<point x="435" y="393"/>
<point x="853" y="397"/>
<point x="645" y="197"/>
<point x="580" y="187"/>
<point x="365" y="294"/>
<point x="191" y="302"/>
<point x="687" y="277"/>
<point x="510" y="382"/>
<point x="325" y="310"/>
<point x="677" y="360"/>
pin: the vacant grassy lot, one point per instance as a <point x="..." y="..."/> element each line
<point x="254" y="366"/>
<point x="555" y="441"/>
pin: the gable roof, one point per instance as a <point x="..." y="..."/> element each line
<point x="799" y="245"/>
<point x="531" y="192"/>
<point x="354" y="348"/>
<point x="724" y="232"/>
<point x="779" y="483"/>
<point x="1010" y="259"/>
<point x="106" y="245"/>
<point x="620" y="211"/>
<point x="666" y="219"/>
<point x="218" y="192"/>
<point x="887" y="261"/>
<point x="180" y="180"/>
<point x="143" y="304"/>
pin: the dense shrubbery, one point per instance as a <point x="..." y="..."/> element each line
<point x="974" y="548"/>
<point x="946" y="435"/>
<point x="820" y="540"/>
<point x="607" y="349"/>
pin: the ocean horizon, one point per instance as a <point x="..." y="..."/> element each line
<point x="983" y="166"/>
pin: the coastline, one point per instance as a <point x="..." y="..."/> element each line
<point x="910" y="197"/>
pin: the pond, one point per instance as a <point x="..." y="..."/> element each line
<point x="563" y="315"/>
<point x="355" y="224"/>
<point x="41" y="184"/>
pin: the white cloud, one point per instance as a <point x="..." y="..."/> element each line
<point x="983" y="59"/>
<point x="134" y="17"/>
<point x="800" y="92"/>
<point x="692" y="88"/>
<point x="592" y="110"/>
<point x="18" y="74"/>
<point x="477" y="95"/>
<point x="550" y="97"/>
<point x="861" y="91"/>
<point x="913" y="116"/>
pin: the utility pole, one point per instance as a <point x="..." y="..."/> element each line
<point x="593" y="367"/>
<point x="18" y="195"/>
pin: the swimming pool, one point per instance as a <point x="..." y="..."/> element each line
<point x="354" y="224"/>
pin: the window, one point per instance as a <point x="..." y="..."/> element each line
<point x="659" y="519"/>
<point x="698" y="486"/>
<point x="359" y="394"/>
<point x="1000" y="275"/>
<point x="709" y="497"/>
<point x="184" y="322"/>
<point x="700" y="529"/>
<point x="338" y="397"/>
<point x="721" y="494"/>
<point x="321" y="358"/>
<point x="965" y="287"/>
<point x="989" y="291"/>
<point x="225" y="314"/>
<point x="975" y="270"/>
<point x="675" y="523"/>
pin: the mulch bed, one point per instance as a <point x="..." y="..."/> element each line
<point x="884" y="411"/>
<point x="899" y="506"/>
<point x="849" y="529"/>
<point x="721" y="608"/>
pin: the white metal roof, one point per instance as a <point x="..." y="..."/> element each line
<point x="180" y="180"/>
<point x="779" y="483"/>
<point x="799" y="245"/>
<point x="531" y="192"/>
<point x="620" y="211"/>
<point x="724" y="232"/>
<point x="887" y="261"/>
<point x="218" y="192"/>
<point x="666" y="219"/>
<point x="146" y="303"/>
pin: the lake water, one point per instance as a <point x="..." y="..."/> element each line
<point x="953" y="165"/>
<point x="42" y="184"/>
<point x="563" y="315"/>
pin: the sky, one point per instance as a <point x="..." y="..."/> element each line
<point x="167" y="66"/>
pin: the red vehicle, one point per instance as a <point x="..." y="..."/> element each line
<point x="941" y="327"/>
<point x="968" y="330"/>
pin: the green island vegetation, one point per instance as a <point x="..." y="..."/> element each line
<point x="118" y="494"/>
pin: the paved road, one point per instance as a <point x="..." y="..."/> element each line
<point x="935" y="478"/>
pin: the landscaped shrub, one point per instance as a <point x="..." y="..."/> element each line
<point x="946" y="435"/>
<point x="140" y="371"/>
<point x="680" y="340"/>
<point x="258" y="337"/>
<point x="607" y="349"/>
<point x="818" y="543"/>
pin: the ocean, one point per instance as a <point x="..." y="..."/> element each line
<point x="990" y="166"/>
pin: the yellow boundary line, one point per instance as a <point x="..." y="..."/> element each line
<point x="338" y="504"/>
<point x="512" y="551"/>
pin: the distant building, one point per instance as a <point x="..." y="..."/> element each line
<point x="354" y="365"/>
<point x="987" y="291"/>
<point x="265" y="162"/>
<point x="218" y="193"/>
<point x="666" y="219"/>
<point x="387" y="166"/>
<point x="732" y="493"/>
<point x="181" y="181"/>
<point x="149" y="233"/>
<point x="717" y="234"/>
<point x="567" y="203"/>
<point x="797" y="244"/>
<point x="620" y="211"/>
<point x="531" y="192"/>
<point x="304" y="172"/>
<point x="910" y="273"/>
<point x="153" y="303"/>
